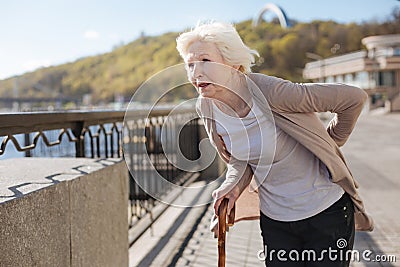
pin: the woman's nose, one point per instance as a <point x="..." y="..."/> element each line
<point x="197" y="70"/>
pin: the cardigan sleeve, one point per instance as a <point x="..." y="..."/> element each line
<point x="238" y="173"/>
<point x="344" y="100"/>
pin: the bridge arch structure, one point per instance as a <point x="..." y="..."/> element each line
<point x="283" y="19"/>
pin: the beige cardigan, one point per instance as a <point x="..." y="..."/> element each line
<point x="292" y="106"/>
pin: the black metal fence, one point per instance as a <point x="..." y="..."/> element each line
<point x="105" y="134"/>
<point x="148" y="157"/>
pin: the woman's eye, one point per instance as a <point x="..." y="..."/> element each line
<point x="190" y="65"/>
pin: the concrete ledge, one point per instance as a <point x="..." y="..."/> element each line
<point x="63" y="212"/>
<point x="35" y="229"/>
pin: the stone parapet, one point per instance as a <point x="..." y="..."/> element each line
<point x="63" y="212"/>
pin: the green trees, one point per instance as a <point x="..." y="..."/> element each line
<point x="123" y="70"/>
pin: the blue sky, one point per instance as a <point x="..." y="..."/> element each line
<point x="50" y="32"/>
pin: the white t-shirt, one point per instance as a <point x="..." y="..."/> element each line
<point x="293" y="183"/>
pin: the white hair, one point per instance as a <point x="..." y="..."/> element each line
<point x="227" y="40"/>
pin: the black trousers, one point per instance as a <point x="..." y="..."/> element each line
<point x="325" y="239"/>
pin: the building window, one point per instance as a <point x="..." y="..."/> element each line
<point x="386" y="78"/>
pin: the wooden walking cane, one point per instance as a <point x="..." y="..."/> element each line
<point x="222" y="228"/>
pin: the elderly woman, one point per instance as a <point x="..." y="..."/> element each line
<point x="283" y="165"/>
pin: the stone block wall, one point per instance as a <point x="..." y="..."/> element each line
<point x="63" y="212"/>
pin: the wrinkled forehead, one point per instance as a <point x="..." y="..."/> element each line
<point x="199" y="49"/>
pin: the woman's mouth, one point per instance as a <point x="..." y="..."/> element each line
<point x="202" y="86"/>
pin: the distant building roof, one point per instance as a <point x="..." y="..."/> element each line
<point x="381" y="41"/>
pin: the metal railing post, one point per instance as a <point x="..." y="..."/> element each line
<point x="80" y="144"/>
<point x="27" y="140"/>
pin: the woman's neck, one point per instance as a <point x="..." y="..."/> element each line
<point x="235" y="104"/>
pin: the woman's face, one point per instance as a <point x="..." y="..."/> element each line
<point x="207" y="70"/>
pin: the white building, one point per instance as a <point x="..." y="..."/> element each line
<point x="376" y="70"/>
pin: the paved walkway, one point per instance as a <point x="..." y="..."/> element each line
<point x="373" y="152"/>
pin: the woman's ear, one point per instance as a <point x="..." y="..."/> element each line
<point x="237" y="67"/>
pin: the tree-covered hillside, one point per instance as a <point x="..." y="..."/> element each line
<point x="123" y="70"/>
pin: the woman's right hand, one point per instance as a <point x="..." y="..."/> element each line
<point x="232" y="196"/>
<point x="219" y="195"/>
